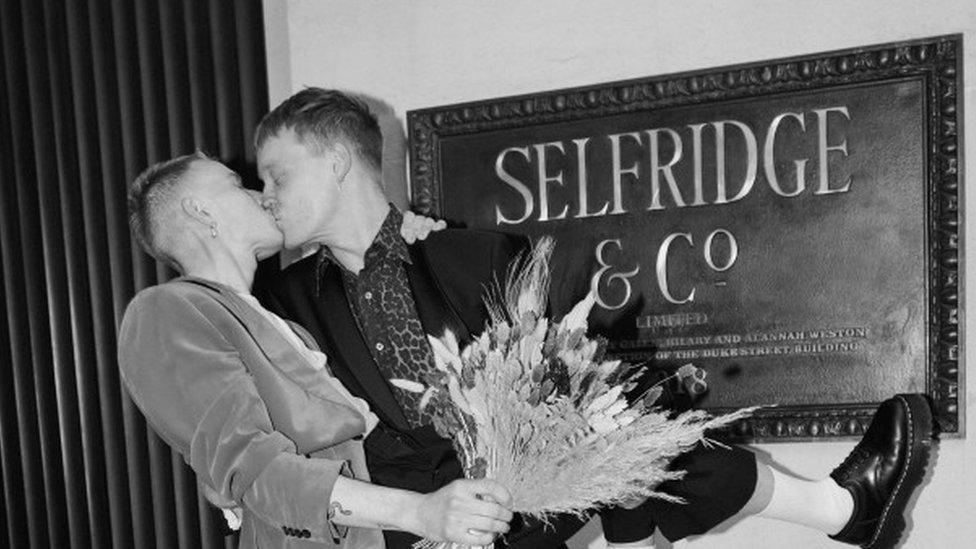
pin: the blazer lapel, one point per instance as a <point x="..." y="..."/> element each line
<point x="435" y="312"/>
<point x="279" y="351"/>
<point x="303" y="334"/>
<point x="348" y="348"/>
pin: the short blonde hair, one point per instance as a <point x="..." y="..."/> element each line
<point x="319" y="117"/>
<point x="149" y="194"/>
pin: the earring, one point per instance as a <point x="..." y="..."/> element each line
<point x="213" y="229"/>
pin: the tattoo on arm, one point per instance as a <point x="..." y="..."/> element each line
<point x="336" y="507"/>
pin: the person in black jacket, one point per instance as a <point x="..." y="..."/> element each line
<point x="370" y="300"/>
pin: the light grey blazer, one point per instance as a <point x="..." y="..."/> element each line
<point x="259" y="426"/>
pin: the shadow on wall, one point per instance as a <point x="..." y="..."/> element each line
<point x="394" y="149"/>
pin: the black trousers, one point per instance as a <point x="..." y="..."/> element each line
<point x="717" y="485"/>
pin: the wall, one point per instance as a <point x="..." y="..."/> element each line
<point x="408" y="55"/>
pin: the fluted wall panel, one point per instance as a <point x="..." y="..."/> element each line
<point x="91" y="92"/>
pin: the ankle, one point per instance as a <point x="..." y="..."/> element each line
<point x="822" y="505"/>
<point x="842" y="506"/>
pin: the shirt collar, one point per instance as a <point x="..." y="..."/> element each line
<point x="388" y="243"/>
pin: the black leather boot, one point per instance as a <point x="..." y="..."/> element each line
<point x="884" y="469"/>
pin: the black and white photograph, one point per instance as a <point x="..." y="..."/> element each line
<point x="458" y="274"/>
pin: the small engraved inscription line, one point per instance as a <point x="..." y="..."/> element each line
<point x="813" y="335"/>
<point x="765" y="350"/>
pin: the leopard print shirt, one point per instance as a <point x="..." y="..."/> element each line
<point x="383" y="306"/>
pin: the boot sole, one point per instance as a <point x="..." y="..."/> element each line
<point x="891" y="524"/>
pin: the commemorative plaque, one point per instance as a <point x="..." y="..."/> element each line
<point x="789" y="226"/>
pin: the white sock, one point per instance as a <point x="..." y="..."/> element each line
<point x="822" y="505"/>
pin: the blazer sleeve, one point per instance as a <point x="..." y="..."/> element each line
<point x="192" y="386"/>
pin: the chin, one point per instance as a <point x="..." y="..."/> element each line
<point x="269" y="249"/>
<point x="261" y="255"/>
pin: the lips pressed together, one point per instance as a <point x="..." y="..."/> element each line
<point x="271" y="206"/>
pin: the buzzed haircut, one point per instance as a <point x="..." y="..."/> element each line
<point x="319" y="117"/>
<point x="148" y="194"/>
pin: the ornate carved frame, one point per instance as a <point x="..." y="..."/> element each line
<point x="937" y="60"/>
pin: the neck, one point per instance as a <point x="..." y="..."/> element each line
<point x="218" y="264"/>
<point x="365" y="212"/>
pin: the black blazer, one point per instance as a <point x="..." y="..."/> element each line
<point x="449" y="275"/>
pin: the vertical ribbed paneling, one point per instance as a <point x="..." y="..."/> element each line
<point x="90" y="93"/>
<point x="64" y="268"/>
<point x="19" y="218"/>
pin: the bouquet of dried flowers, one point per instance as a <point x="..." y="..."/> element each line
<point x="534" y="406"/>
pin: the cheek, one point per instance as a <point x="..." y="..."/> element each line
<point x="295" y="213"/>
<point x="305" y="199"/>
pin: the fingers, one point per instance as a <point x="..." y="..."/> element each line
<point x="435" y="226"/>
<point x="407" y="228"/>
<point x="475" y="537"/>
<point x="468" y="512"/>
<point x="426" y="224"/>
<point x="429" y="225"/>
<point x="478" y="530"/>
<point x="490" y="490"/>
<point x="488" y="525"/>
<point x="486" y="509"/>
<point x="418" y="227"/>
<point x="481" y="498"/>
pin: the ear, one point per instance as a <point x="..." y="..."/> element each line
<point x="342" y="160"/>
<point x="194" y="208"/>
